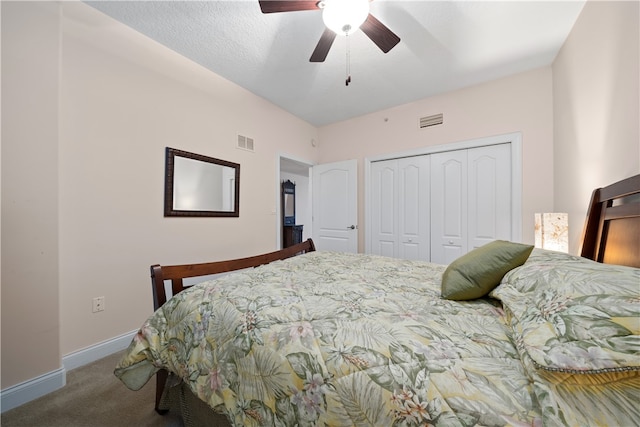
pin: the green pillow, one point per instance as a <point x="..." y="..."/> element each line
<point x="476" y="273"/>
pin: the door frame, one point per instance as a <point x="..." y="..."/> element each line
<point x="515" y="139"/>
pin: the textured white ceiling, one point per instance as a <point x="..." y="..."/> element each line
<point x="445" y="45"/>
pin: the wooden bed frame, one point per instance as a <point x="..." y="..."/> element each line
<point x="176" y="273"/>
<point x="611" y="235"/>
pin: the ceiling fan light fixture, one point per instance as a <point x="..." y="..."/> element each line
<point x="344" y="17"/>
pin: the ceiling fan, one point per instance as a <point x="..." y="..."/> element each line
<point x="341" y="17"/>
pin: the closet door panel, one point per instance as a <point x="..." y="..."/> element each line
<point x="384" y="205"/>
<point x="413" y="213"/>
<point x="439" y="206"/>
<point x="448" y="206"/>
<point x="489" y="194"/>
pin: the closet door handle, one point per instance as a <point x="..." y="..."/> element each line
<point x="353" y="227"/>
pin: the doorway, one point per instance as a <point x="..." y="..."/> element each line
<point x="298" y="172"/>
<point x="334" y="227"/>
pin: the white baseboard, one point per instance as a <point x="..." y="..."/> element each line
<point x="97" y="351"/>
<point x="34" y="388"/>
<point x="27" y="391"/>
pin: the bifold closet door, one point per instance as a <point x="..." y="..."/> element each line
<point x="490" y="193"/>
<point x="470" y="200"/>
<point x="400" y="208"/>
<point x="449" y="195"/>
<point x="384" y="208"/>
<point x="413" y="208"/>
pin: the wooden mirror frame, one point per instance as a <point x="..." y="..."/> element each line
<point x="288" y="189"/>
<point x="169" y="185"/>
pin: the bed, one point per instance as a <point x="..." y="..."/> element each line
<point x="505" y="335"/>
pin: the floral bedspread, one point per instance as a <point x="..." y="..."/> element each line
<point x="360" y="340"/>
<point x="338" y="340"/>
<point x="576" y="323"/>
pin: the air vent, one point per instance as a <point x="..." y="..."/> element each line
<point x="436" y="119"/>
<point x="245" y="143"/>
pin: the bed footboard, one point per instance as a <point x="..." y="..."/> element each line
<point x="176" y="274"/>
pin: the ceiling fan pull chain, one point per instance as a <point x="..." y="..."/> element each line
<point x="348" y="80"/>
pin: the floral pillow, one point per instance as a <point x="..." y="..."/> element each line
<point x="572" y="314"/>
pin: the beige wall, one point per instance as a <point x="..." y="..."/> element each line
<point x="94" y="106"/>
<point x="521" y="103"/>
<point x="30" y="282"/>
<point x="596" y="97"/>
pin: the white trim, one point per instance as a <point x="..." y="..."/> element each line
<point x="459" y="145"/>
<point x="367" y="205"/>
<point x="27" y="391"/>
<point x="515" y="139"/>
<point x="97" y="351"/>
<point x="34" y="388"/>
<point x="516" y="186"/>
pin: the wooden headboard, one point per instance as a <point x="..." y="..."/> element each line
<point x="612" y="230"/>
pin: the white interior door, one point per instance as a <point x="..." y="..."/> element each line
<point x="384" y="208"/>
<point x="400" y="208"/>
<point x="448" y="206"/>
<point x="413" y="208"/>
<point x="470" y="200"/>
<point x="489" y="194"/>
<point x="335" y="206"/>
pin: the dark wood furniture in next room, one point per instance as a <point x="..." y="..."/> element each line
<point x="291" y="232"/>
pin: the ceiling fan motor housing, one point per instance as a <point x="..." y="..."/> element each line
<point x="344" y="17"/>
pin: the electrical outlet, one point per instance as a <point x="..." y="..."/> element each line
<point x="98" y="304"/>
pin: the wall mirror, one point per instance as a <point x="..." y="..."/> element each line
<point x="289" y="202"/>
<point x="197" y="185"/>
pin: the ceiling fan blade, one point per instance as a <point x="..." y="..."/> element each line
<point x="379" y="33"/>
<point x="323" y="46"/>
<point x="275" y="6"/>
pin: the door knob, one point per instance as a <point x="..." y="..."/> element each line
<point x="353" y="227"/>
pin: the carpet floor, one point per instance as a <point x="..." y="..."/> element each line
<point x="92" y="397"/>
